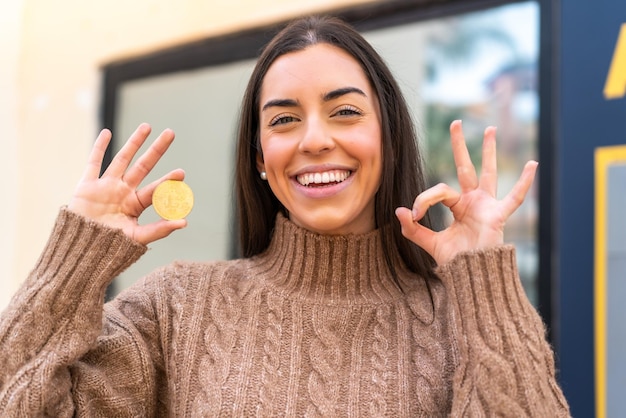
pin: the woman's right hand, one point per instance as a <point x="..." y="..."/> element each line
<point x="115" y="199"/>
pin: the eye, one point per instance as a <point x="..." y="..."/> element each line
<point x="348" y="111"/>
<point x="282" y="119"/>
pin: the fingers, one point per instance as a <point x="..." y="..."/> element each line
<point x="489" y="171"/>
<point x="516" y="196"/>
<point x="146" y="162"/>
<point x="417" y="233"/>
<point x="441" y="193"/>
<point x="411" y="229"/>
<point x="123" y="158"/>
<point x="145" y="194"/>
<point x="155" y="231"/>
<point x="94" y="163"/>
<point x="134" y="175"/>
<point x="465" y="170"/>
<point x="161" y="228"/>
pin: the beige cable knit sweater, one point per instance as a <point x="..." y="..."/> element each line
<point x="313" y="327"/>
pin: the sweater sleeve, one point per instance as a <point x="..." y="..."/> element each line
<point x="505" y="365"/>
<point x="55" y="320"/>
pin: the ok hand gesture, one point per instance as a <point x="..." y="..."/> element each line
<point x="479" y="217"/>
<point x="115" y="199"/>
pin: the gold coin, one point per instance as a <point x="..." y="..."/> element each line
<point x="172" y="199"/>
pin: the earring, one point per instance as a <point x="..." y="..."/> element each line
<point x="263" y="175"/>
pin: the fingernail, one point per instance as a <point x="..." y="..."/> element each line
<point x="414" y="213"/>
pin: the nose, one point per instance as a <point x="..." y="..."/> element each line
<point x="317" y="139"/>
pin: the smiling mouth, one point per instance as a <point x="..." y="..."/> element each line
<point x="324" y="178"/>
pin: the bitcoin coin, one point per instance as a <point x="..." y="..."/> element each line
<point x="172" y="199"/>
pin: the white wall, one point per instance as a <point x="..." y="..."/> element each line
<point x="10" y="39"/>
<point x="50" y="93"/>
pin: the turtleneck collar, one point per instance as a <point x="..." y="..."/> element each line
<point x="329" y="268"/>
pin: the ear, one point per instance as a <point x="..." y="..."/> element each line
<point x="260" y="165"/>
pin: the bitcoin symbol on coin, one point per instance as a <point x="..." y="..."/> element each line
<point x="172" y="199"/>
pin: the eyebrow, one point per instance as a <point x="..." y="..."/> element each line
<point x="342" y="92"/>
<point x="280" y="103"/>
<point x="331" y="95"/>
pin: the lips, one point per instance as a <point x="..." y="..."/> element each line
<point x="322" y="178"/>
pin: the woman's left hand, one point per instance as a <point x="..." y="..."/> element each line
<point x="479" y="217"/>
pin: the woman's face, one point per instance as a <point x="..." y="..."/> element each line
<point x="321" y="140"/>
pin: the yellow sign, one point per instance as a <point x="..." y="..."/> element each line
<point x="605" y="157"/>
<point x="615" y="86"/>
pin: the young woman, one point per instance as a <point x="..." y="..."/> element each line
<point x="346" y="303"/>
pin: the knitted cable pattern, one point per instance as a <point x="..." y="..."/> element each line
<point x="500" y="344"/>
<point x="220" y="338"/>
<point x="380" y="361"/>
<point x="271" y="357"/>
<point x="427" y="332"/>
<point x="329" y="325"/>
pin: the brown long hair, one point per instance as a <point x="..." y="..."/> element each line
<point x="402" y="173"/>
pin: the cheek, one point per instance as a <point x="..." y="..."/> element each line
<point x="269" y="156"/>
<point x="276" y="154"/>
<point x="373" y="154"/>
<point x="369" y="148"/>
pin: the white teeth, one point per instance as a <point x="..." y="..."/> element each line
<point x="334" y="176"/>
